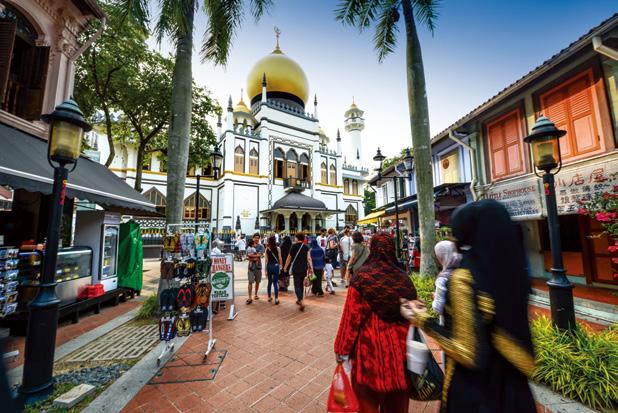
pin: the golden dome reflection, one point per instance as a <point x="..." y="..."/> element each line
<point x="282" y="75"/>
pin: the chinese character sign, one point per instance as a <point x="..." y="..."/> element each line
<point x="583" y="183"/>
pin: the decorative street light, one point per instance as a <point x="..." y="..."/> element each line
<point x="545" y="144"/>
<point x="408" y="162"/>
<point x="66" y="130"/>
<point x="216" y="160"/>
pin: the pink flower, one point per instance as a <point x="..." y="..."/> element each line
<point x="615" y="260"/>
<point x="602" y="217"/>
<point x="616" y="276"/>
<point x="615" y="188"/>
<point x="612" y="248"/>
<point x="606" y="195"/>
<point x="611" y="215"/>
<point x="582" y="211"/>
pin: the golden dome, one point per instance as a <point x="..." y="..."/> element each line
<point x="282" y="75"/>
<point x="241" y="106"/>
<point x="321" y="131"/>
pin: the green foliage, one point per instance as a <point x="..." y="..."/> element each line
<point x="149" y="308"/>
<point x="582" y="365"/>
<point x="444" y="234"/>
<point x="370" y="201"/>
<point x="396" y="159"/>
<point x="425" y="287"/>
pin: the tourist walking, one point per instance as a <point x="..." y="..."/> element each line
<point x="373" y="333"/>
<point x="448" y="259"/>
<point x="359" y="255"/>
<point x="259" y="253"/>
<point x="345" y="248"/>
<point x="486" y="336"/>
<point x="299" y="264"/>
<point x="284" y="277"/>
<point x="332" y="246"/>
<point x="322" y="238"/>
<point x="328" y="270"/>
<point x="254" y="274"/>
<point x="317" y="258"/>
<point x="273" y="267"/>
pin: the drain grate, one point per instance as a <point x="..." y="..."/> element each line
<point x="126" y="342"/>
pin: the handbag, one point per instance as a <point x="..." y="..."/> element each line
<point x="428" y="384"/>
<point x="341" y="397"/>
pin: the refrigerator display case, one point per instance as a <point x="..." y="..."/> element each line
<point x="73" y="273"/>
<point x="100" y="230"/>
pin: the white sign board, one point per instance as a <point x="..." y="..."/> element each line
<point x="521" y="198"/>
<point x="222" y="277"/>
<point x="583" y="183"/>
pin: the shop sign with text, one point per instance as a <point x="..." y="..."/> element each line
<point x="521" y="198"/>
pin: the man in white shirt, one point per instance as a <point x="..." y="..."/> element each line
<point x="241" y="245"/>
<point x="345" y="245"/>
<point x="322" y="239"/>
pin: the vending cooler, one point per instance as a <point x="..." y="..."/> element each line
<point x="100" y="230"/>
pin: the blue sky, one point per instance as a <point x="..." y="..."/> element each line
<point x="479" y="47"/>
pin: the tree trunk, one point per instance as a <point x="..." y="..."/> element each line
<point x="141" y="151"/>
<point x="180" y="124"/>
<point x="421" y="141"/>
<point x="110" y="139"/>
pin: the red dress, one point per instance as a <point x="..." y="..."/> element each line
<point x="378" y="348"/>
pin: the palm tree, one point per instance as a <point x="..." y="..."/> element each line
<point x="175" y="22"/>
<point x="384" y="14"/>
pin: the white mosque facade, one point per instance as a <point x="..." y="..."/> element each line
<point x="280" y="169"/>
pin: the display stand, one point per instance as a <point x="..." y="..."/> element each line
<point x="186" y="249"/>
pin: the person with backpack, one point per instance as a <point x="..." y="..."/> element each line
<point x="273" y="267"/>
<point x="299" y="265"/>
<point x="332" y="247"/>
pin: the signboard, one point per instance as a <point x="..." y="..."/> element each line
<point x="222" y="277"/>
<point x="584" y="182"/>
<point x="521" y="198"/>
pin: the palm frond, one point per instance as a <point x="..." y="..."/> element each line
<point x="367" y="13"/>
<point x="136" y="9"/>
<point x="385" y="38"/>
<point x="348" y="10"/>
<point x="426" y="12"/>
<point x="173" y="19"/>
<point x="224" y="18"/>
<point x="259" y="7"/>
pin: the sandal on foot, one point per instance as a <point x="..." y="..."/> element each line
<point x="256" y="298"/>
<point x="302" y="307"/>
<point x="276" y="301"/>
<point x="249" y="301"/>
<point x="270" y="299"/>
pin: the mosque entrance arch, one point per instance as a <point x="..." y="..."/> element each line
<point x="293" y="223"/>
<point x="306" y="222"/>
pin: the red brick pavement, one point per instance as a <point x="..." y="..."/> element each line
<point x="68" y="331"/>
<point x="278" y="360"/>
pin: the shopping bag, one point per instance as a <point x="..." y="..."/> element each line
<point x="341" y="397"/>
<point x="426" y="376"/>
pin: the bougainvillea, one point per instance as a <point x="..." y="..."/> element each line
<point x="604" y="209"/>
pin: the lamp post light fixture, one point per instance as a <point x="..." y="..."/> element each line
<point x="408" y="162"/>
<point x="545" y="145"/>
<point x="216" y="160"/>
<point x="66" y="130"/>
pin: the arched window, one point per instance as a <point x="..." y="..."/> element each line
<point x="279" y="165"/>
<point x="203" y="209"/>
<point x="23" y="66"/>
<point x="157" y="198"/>
<point x="324" y="173"/>
<point x="355" y="187"/>
<point x="304" y="167"/>
<point x="346" y="186"/>
<point x="351" y="216"/>
<point x="239" y="159"/>
<point x="333" y="175"/>
<point x="292" y="164"/>
<point x="253" y="162"/>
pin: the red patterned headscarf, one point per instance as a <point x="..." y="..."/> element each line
<point x="381" y="281"/>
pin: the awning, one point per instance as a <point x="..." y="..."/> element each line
<point x="452" y="189"/>
<point x="371" y="218"/>
<point x="23" y="165"/>
<point x="295" y="201"/>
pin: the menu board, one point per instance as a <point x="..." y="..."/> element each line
<point x="522" y="198"/>
<point x="583" y="183"/>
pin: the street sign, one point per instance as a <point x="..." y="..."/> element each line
<point x="222" y="272"/>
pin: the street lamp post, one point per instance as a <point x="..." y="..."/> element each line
<point x="545" y="144"/>
<point x="66" y="130"/>
<point x="216" y="159"/>
<point x="408" y="162"/>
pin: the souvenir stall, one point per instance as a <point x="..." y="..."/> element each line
<point x="186" y="285"/>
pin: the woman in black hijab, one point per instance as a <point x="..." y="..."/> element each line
<point x="284" y="277"/>
<point x="486" y="336"/>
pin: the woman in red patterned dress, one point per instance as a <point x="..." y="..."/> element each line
<point x="372" y="333"/>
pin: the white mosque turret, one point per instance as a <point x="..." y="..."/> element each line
<point x="264" y="94"/>
<point x="230" y="115"/>
<point x="315" y="106"/>
<point x="338" y="143"/>
<point x="354" y="125"/>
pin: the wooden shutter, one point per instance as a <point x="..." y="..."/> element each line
<point x="496" y="148"/>
<point x="36" y="86"/>
<point x="571" y="107"/>
<point x="7" y="40"/>
<point x="505" y="145"/>
<point x="512" y="142"/>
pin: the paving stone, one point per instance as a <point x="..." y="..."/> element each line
<point x="74" y="396"/>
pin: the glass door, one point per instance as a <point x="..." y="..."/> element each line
<point x="110" y="251"/>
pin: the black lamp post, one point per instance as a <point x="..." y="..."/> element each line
<point x="408" y="162"/>
<point x="216" y="159"/>
<point x="545" y="144"/>
<point x="66" y="130"/>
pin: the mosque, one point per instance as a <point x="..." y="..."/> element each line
<point x="281" y="171"/>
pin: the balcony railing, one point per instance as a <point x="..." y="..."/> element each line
<point x="295" y="184"/>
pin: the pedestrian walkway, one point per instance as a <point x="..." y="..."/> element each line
<point x="278" y="360"/>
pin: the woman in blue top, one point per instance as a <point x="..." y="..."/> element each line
<point x="317" y="256"/>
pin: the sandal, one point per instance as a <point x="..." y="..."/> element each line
<point x="276" y="301"/>
<point x="256" y="297"/>
<point x="249" y="301"/>
<point x="302" y="307"/>
<point x="270" y="299"/>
